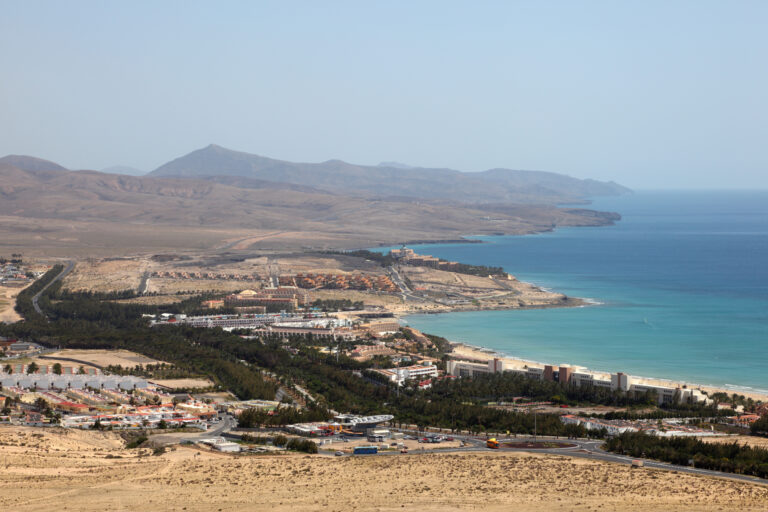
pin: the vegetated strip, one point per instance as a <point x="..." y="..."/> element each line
<point x="687" y="451"/>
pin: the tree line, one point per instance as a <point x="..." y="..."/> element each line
<point x="688" y="451"/>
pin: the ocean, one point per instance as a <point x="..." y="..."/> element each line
<point x="680" y="286"/>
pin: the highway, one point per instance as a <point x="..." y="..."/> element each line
<point x="62" y="274"/>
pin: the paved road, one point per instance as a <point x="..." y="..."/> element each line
<point x="400" y="282"/>
<point x="224" y="426"/>
<point x="143" y="284"/>
<point x="62" y="274"/>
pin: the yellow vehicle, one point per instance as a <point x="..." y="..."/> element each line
<point x="492" y="443"/>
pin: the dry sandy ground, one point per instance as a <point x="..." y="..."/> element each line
<point x="391" y="302"/>
<point x="7" y="303"/>
<point x="761" y="442"/>
<point x="104" y="357"/>
<point x="195" y="286"/>
<point x="441" y="280"/>
<point x="461" y="351"/>
<point x="74" y="470"/>
<point x="106" y="275"/>
<point x="155" y="300"/>
<point x="183" y="383"/>
<point x="125" y="274"/>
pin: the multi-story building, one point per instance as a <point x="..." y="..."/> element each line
<point x="469" y="369"/>
<point x="365" y="352"/>
<point x="400" y="375"/>
<point x="569" y="375"/>
<point x="289" y="296"/>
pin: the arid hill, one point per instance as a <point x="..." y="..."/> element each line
<point x="302" y="215"/>
<point x="30" y="163"/>
<point x="248" y="201"/>
<point x="392" y="180"/>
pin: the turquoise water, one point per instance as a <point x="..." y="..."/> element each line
<point x="682" y="282"/>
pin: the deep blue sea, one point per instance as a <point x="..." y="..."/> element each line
<point x="681" y="281"/>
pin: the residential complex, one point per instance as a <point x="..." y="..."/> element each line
<point x="582" y="377"/>
<point x="363" y="282"/>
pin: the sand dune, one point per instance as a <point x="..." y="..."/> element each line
<point x="44" y="470"/>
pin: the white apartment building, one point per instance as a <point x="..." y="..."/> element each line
<point x="417" y="372"/>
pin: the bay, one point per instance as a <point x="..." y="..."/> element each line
<point x="681" y="282"/>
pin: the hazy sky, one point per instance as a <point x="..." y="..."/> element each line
<point x="649" y="94"/>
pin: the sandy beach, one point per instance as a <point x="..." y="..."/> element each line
<point x="91" y="471"/>
<point x="468" y="352"/>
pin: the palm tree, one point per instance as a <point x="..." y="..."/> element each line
<point x="32" y="368"/>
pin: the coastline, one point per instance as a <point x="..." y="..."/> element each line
<point x="569" y="302"/>
<point x="646" y="307"/>
<point x="469" y="352"/>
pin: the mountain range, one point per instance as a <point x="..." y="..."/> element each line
<point x="391" y="179"/>
<point x="217" y="197"/>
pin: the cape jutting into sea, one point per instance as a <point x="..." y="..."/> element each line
<point x="681" y="286"/>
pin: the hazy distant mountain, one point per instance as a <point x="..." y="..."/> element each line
<point x="124" y="169"/>
<point x="493" y="186"/>
<point x="31" y="163"/>
<point x="221" y="196"/>
<point x="396" y="165"/>
<point x="69" y="208"/>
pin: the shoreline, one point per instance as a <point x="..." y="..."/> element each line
<point x="569" y="302"/>
<point x="479" y="353"/>
<point x="470" y="352"/>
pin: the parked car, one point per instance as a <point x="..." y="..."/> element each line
<point x="339" y="453"/>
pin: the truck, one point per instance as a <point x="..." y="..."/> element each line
<point x="492" y="443"/>
<point x="365" y="450"/>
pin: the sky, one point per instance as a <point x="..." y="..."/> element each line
<point x="650" y="94"/>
